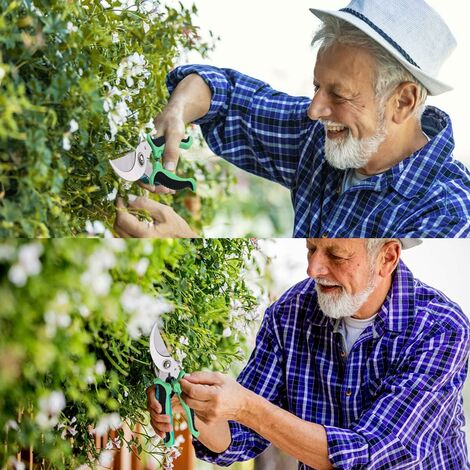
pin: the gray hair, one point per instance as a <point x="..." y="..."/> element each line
<point x="389" y="72"/>
<point x="374" y="245"/>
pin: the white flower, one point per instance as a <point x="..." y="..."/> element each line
<point x="115" y="38"/>
<point x="100" y="367"/>
<point x="66" y="142"/>
<point x="17" y="275"/>
<point x="141" y="266"/>
<point x="146" y="27"/>
<point x="116" y="244"/>
<point x="96" y="276"/>
<point x="15" y="464"/>
<point x="184" y="340"/>
<point x="73" y="126"/>
<point x="179" y="441"/>
<point x="56" y="320"/>
<point x="84" y="311"/>
<point x="71" y="28"/>
<point x="94" y="228"/>
<point x="99" y="282"/>
<point x="28" y="264"/>
<point x="106" y="458"/>
<point x="227" y="332"/>
<point x="49" y="408"/>
<point x="144" y="310"/>
<point x="105" y="4"/>
<point x="28" y="257"/>
<point x="11" y="424"/>
<point x="180" y="355"/>
<point x="107" y="422"/>
<point x="112" y="195"/>
<point x="147" y="247"/>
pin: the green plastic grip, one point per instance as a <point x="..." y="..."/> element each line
<point x="189" y="412"/>
<point x="165" y="177"/>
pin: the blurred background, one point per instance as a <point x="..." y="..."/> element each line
<point x="269" y="41"/>
<point x="437" y="262"/>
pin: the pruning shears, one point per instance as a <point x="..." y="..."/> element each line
<point x="145" y="164"/>
<point x="168" y="373"/>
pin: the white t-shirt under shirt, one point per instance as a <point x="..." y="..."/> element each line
<point x="351" y="329"/>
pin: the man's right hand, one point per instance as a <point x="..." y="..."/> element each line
<point x="190" y="100"/>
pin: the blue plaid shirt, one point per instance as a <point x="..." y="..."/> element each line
<point x="395" y="402"/>
<point x="268" y="133"/>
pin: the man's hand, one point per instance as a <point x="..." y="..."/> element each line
<point x="166" y="222"/>
<point x="214" y="397"/>
<point x="161" y="423"/>
<point x="189" y="101"/>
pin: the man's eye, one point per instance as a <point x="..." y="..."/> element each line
<point x="338" y="97"/>
<point x="337" y="258"/>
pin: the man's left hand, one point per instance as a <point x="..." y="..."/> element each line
<point x="213" y="396"/>
<point x="166" y="223"/>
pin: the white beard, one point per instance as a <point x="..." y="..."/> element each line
<point x="340" y="305"/>
<point x="351" y="152"/>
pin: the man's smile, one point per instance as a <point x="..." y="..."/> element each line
<point x="328" y="289"/>
<point x="335" y="131"/>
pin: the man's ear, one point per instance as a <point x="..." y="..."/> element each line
<point x="404" y="102"/>
<point x="389" y="258"/>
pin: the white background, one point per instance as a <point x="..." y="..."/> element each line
<point x="270" y="40"/>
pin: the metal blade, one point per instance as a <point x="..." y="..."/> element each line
<point x="164" y="364"/>
<point x="132" y="166"/>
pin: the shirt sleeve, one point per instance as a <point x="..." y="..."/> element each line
<point x="414" y="411"/>
<point x="251" y="125"/>
<point x="262" y="375"/>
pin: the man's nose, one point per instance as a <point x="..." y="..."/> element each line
<point x="317" y="265"/>
<point x="319" y="107"/>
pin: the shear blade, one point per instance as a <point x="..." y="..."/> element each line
<point x="133" y="165"/>
<point x="160" y="355"/>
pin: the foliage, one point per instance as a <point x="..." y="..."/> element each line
<point x="74" y="325"/>
<point x="80" y="81"/>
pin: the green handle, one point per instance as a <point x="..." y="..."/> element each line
<point x="158" y="145"/>
<point x="165" y="177"/>
<point x="163" y="393"/>
<point x="189" y="412"/>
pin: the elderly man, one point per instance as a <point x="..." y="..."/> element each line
<point x="360" y="366"/>
<point x="364" y="158"/>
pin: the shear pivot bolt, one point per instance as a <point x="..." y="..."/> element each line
<point x="166" y="364"/>
<point x="141" y="159"/>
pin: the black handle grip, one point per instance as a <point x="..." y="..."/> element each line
<point x="159" y="141"/>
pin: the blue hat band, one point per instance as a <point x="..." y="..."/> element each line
<point x="382" y="33"/>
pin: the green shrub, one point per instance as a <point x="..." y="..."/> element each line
<point x="79" y="82"/>
<point x="74" y="322"/>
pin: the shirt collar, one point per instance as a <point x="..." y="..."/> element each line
<point x="417" y="173"/>
<point x="399" y="305"/>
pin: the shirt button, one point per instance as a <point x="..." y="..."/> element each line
<point x="342" y="354"/>
<point x="348" y="393"/>
<point x="325" y="235"/>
